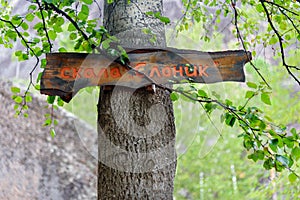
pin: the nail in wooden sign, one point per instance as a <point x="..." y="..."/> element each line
<point x="66" y="73"/>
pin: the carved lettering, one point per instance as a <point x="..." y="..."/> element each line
<point x="101" y="72"/>
<point x="167" y="71"/>
<point x="202" y="70"/>
<point x="115" y="72"/>
<point x="178" y="70"/>
<point x="65" y="73"/>
<point x="155" y="70"/>
<point x="76" y="73"/>
<point x="191" y="71"/>
<point x="89" y="73"/>
<point x="137" y="67"/>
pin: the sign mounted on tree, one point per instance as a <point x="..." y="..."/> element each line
<point x="66" y="73"/>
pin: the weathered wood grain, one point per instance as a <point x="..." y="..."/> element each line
<point x="66" y="73"/>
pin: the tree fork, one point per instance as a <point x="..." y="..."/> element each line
<point x="136" y="130"/>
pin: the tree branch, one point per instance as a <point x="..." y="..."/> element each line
<point x="32" y="51"/>
<point x="44" y="25"/>
<point x="243" y="43"/>
<point x="280" y="7"/>
<point x="57" y="10"/>
<point x="292" y="22"/>
<point x="280" y="43"/>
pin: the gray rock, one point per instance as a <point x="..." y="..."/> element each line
<point x="35" y="166"/>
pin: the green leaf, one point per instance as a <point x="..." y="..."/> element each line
<point x="278" y="18"/>
<point x="85" y="9"/>
<point x="87" y="47"/>
<point x="28" y="98"/>
<point x="11" y="34"/>
<point x="157" y="14"/>
<point x="251" y="85"/>
<point x="16" y="107"/>
<point x="38" y="26"/>
<point x="60" y="21"/>
<point x="283" y="26"/>
<point x="248" y="144"/>
<point x="215" y="94"/>
<point x="25" y="56"/>
<point x="249" y="94"/>
<point x="52" y="34"/>
<point x="106" y="44"/>
<point x="37" y="87"/>
<point x="25" y="26"/>
<point x="51" y="99"/>
<point x="296" y="153"/>
<point x="52" y="132"/>
<point x="257" y="155"/>
<point x="230" y="120"/>
<point x="60" y="102"/>
<point x="165" y="20"/>
<point x="62" y="49"/>
<point x="174" y="96"/>
<point x="71" y="28"/>
<point x="149" y="13"/>
<point x="89" y="2"/>
<point x="289" y="142"/>
<point x="15" y="90"/>
<point x="29" y="17"/>
<point x="39" y="77"/>
<point x="209" y="107"/>
<point x="18" y="99"/>
<point x="294" y="132"/>
<point x="202" y="93"/>
<point x="273" y="40"/>
<point x="273" y="144"/>
<point x="283" y="160"/>
<point x="146" y="30"/>
<point x="253" y="157"/>
<point x="288" y="37"/>
<point x="84" y="13"/>
<point x="268" y="164"/>
<point x="32" y="7"/>
<point x="48" y="122"/>
<point x="16" y="20"/>
<point x="265" y="98"/>
<point x="260" y="154"/>
<point x="259" y="8"/>
<point x="73" y="36"/>
<point x="292" y="177"/>
<point x="43" y="63"/>
<point x="228" y="102"/>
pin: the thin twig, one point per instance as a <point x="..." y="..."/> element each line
<point x="59" y="11"/>
<point x="44" y="25"/>
<point x="281" y="7"/>
<point x="280" y="43"/>
<point x="292" y="22"/>
<point x="32" y="51"/>
<point x="243" y="44"/>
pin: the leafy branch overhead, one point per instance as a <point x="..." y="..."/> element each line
<point x="276" y="146"/>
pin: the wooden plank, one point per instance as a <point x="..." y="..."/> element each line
<point x="66" y="73"/>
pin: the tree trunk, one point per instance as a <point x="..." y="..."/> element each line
<point x="136" y="130"/>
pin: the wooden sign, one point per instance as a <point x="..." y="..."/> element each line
<point x="66" y="73"/>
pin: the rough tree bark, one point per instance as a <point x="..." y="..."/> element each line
<point x="136" y="129"/>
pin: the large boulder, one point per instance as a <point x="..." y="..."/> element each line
<point x="33" y="165"/>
